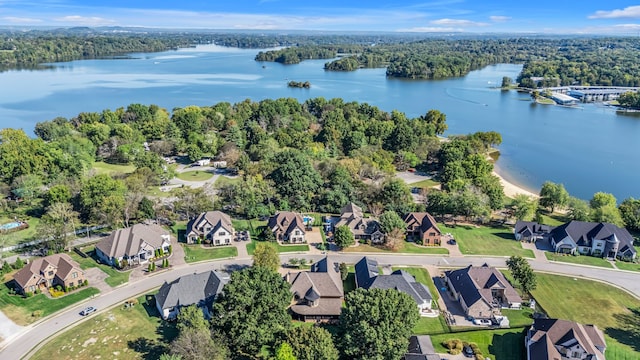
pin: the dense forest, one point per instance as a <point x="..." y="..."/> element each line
<point x="554" y="61"/>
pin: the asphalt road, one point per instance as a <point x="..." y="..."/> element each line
<point x="33" y="336"/>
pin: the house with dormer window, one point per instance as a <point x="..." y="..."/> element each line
<point x="43" y="273"/>
<point x="287" y="227"/>
<point x="211" y="227"/>
<point x="422" y="228"/>
<point x="555" y="339"/>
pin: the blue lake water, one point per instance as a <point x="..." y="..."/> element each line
<point x="588" y="149"/>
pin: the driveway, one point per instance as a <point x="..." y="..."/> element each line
<point x="96" y="277"/>
<point x="453" y="312"/>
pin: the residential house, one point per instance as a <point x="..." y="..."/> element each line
<point x="366" y="229"/>
<point x="368" y="277"/>
<point x="530" y="231"/>
<point x="199" y="289"/>
<point x="213" y="227"/>
<point x="421" y="348"/>
<point x="555" y="339"/>
<point x="482" y="291"/>
<point x="287" y="227"/>
<point x="597" y="239"/>
<point x="50" y="271"/>
<point x="318" y="293"/>
<point x="422" y="228"/>
<point x="135" y="244"/>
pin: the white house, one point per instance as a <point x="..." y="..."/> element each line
<point x="214" y="227"/>
<point x="287" y="227"/>
<point x="597" y="239"/>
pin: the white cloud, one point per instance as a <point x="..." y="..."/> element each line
<point x="431" y="29"/>
<point x="457" y="22"/>
<point x="85" y="20"/>
<point x="497" y="18"/>
<point x="21" y="20"/>
<point x="630" y="12"/>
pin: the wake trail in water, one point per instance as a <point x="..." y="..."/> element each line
<point x="448" y="92"/>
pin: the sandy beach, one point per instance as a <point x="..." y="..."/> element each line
<point x="511" y="190"/>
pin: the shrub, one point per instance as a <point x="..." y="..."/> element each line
<point x="170" y="249"/>
<point x="19" y="264"/>
<point x="86" y="282"/>
<point x="37" y="313"/>
<point x="28" y="294"/>
<point x="149" y="269"/>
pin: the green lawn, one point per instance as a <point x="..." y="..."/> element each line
<point x="581" y="259"/>
<point x="505" y="344"/>
<point x="519" y="318"/>
<point x="590" y="302"/>
<point x="119" y="333"/>
<point x="251" y="247"/>
<point x="103" y="168"/>
<point x="554" y="219"/>
<point x="424" y="184"/>
<point x="194" y="175"/>
<point x="22" y="310"/>
<point x="623" y="265"/>
<point x="407" y="247"/>
<point x="115" y="277"/>
<point x="222" y="181"/>
<point x="484" y="240"/>
<point x="194" y="253"/>
<point x="250" y="225"/>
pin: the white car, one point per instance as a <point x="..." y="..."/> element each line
<point x="88" y="310"/>
<point x="483" y="322"/>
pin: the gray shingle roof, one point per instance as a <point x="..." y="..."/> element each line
<point x="581" y="232"/>
<point x="192" y="289"/>
<point x="321" y="285"/>
<point x="528" y="228"/>
<point x="547" y="336"/>
<point x="285" y="222"/>
<point x="367" y="277"/>
<point x="127" y="241"/>
<point x="217" y="220"/>
<point x="421" y="348"/>
<point x="474" y="283"/>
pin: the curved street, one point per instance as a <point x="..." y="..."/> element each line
<point x="33" y="336"/>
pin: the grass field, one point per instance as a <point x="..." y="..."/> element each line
<point x="519" y="318"/>
<point x="195" y="175"/>
<point x="115" y="277"/>
<point x="496" y="344"/>
<point x="22" y="310"/>
<point x="485" y="240"/>
<point x="194" y="253"/>
<point x="590" y="302"/>
<point x="103" y="168"/>
<point x="133" y="333"/>
<point x="224" y="181"/>
<point x="623" y="265"/>
<point x="251" y="247"/>
<point x="424" y="184"/>
<point x="407" y="247"/>
<point x="250" y="225"/>
<point x="582" y="260"/>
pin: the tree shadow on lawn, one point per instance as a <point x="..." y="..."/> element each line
<point x="629" y="331"/>
<point x="505" y="346"/>
<point x="148" y="349"/>
<point x="506" y="236"/>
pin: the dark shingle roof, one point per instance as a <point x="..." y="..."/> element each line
<point x="286" y="222"/>
<point x="421" y="348"/>
<point x="367" y="277"/>
<point x="547" y="335"/>
<point x="474" y="283"/>
<point x="581" y="232"/>
<point x="422" y="220"/>
<point x="216" y="219"/>
<point x="191" y="289"/>
<point x="529" y="228"/>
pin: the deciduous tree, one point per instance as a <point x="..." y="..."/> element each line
<point x="553" y="195"/>
<point x="312" y="343"/>
<point x="524" y="207"/>
<point x="523" y="273"/>
<point x="390" y="220"/>
<point x="266" y="255"/>
<point x="376" y="324"/>
<point x="630" y="212"/>
<point x="343" y="236"/>
<point x="252" y="310"/>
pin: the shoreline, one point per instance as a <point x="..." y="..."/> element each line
<point x="512" y="189"/>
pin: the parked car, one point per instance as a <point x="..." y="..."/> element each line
<point x="452" y="242"/>
<point x="483" y="322"/>
<point x="467" y="351"/>
<point x="88" y="310"/>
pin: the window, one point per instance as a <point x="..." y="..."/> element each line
<point x="432" y="234"/>
<point x="576" y="355"/>
<point x="50" y="273"/>
<point x="74" y="275"/>
<point x="297" y="232"/>
<point x="222" y="233"/>
<point x="71" y="284"/>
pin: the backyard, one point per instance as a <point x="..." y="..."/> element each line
<point x="614" y="311"/>
<point x="195" y="253"/>
<point x="195" y="175"/>
<point x="24" y="311"/>
<point x="507" y="344"/>
<point x="123" y="333"/>
<point x="251" y="247"/>
<point x="19" y="236"/>
<point x="104" y="168"/>
<point x="484" y="240"/>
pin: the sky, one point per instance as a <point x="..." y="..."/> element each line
<point x="445" y="16"/>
